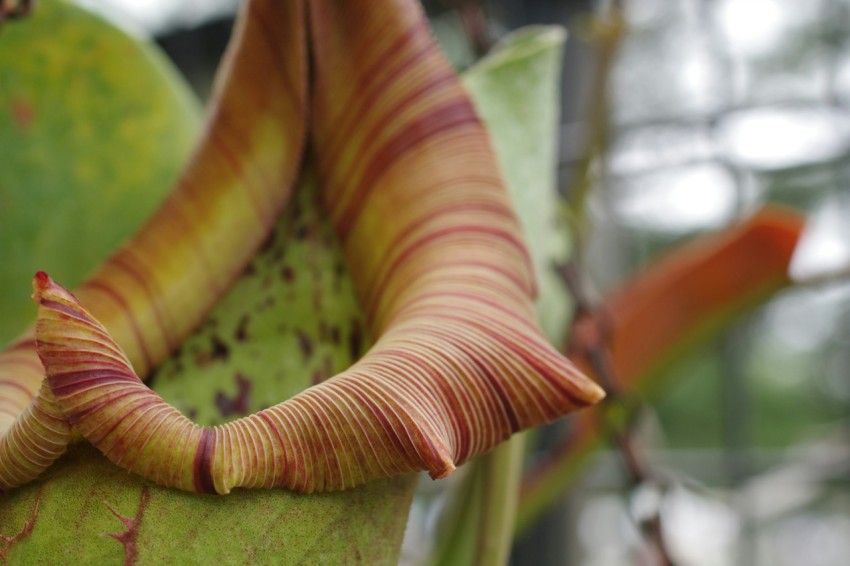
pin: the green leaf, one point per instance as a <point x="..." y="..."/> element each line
<point x="69" y="515"/>
<point x="516" y="91"/>
<point x="94" y="125"/>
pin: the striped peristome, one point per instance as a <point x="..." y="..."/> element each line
<point x="221" y="209"/>
<point x="412" y="187"/>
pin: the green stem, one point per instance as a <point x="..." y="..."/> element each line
<point x="501" y="473"/>
<point x="606" y="34"/>
<point x="479" y="524"/>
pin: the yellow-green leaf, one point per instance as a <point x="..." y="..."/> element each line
<point x="94" y="128"/>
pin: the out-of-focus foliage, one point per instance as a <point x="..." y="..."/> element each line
<point x="94" y="127"/>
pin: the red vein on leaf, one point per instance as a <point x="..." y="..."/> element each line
<point x="26" y="530"/>
<point x="129" y="538"/>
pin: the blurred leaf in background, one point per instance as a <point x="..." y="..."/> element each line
<point x="94" y="128"/>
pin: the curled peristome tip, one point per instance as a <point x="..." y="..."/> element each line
<point x="39" y="282"/>
<point x="42" y="285"/>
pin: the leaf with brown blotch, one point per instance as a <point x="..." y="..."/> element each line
<point x="415" y="194"/>
<point x="155" y="289"/>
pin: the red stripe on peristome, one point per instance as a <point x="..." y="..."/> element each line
<point x="368" y="88"/>
<point x="379" y="416"/>
<point x="533" y="342"/>
<point x="495" y="385"/>
<point x="67" y="310"/>
<point x="13" y="385"/>
<point x="38" y="407"/>
<point x="179" y="215"/>
<point x="274" y="41"/>
<point x="414" y="431"/>
<point x="14" y="412"/>
<point x="500" y="209"/>
<point x="129" y="267"/>
<point x="101" y="435"/>
<point x="543" y="371"/>
<point x="68" y="384"/>
<point x="283" y="463"/>
<point x="265" y="215"/>
<point x="495" y="268"/>
<point x="26" y="344"/>
<point x="333" y="475"/>
<point x="89" y="407"/>
<point x="202" y="464"/>
<point x="389" y="114"/>
<point x="424" y="297"/>
<point x="125" y="308"/>
<point x="455" y="114"/>
<point x="379" y="289"/>
<point x="297" y="476"/>
<point x="448" y="396"/>
<point x="431" y="237"/>
<point x="32" y="364"/>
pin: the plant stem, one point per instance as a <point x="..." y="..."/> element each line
<point x="606" y="35"/>
<point x="474" y="22"/>
<point x="479" y="524"/>
<point x="501" y="475"/>
<point x="621" y="436"/>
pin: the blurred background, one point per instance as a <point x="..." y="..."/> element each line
<point x="679" y="117"/>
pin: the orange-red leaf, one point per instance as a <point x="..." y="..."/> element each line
<point x="691" y="287"/>
<point x="681" y="300"/>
